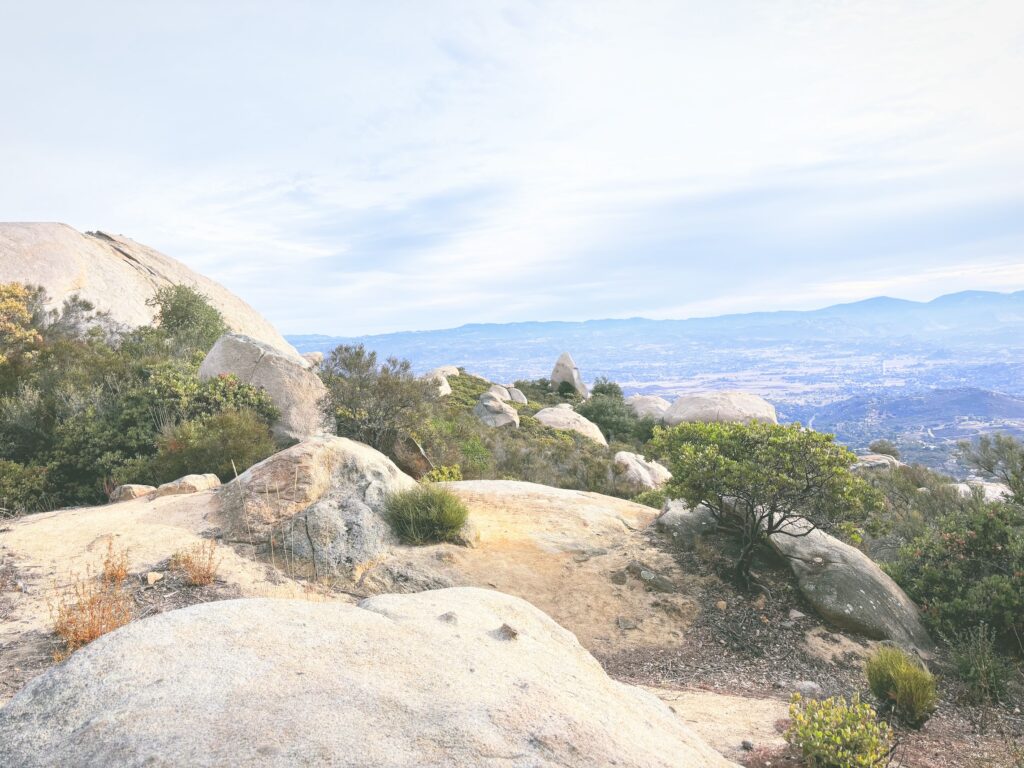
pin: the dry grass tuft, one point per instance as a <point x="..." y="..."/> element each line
<point x="88" y="609"/>
<point x="197" y="564"/>
<point x="115" y="565"/>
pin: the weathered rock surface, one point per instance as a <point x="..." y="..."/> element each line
<point x="443" y="387"/>
<point x="320" y="502"/>
<point x="130" y="491"/>
<point x="737" y="407"/>
<point x="286" y="682"/>
<point x="565" y="370"/>
<point x="313" y="358"/>
<point x="991" y="491"/>
<point x="410" y="457"/>
<point x="444" y="370"/>
<point x="686" y="525"/>
<point x="638" y="474"/>
<point x="294" y="388"/>
<point x="500" y="392"/>
<point x="117" y="275"/>
<point x="494" y="413"/>
<point x="875" y="462"/>
<point x="648" y="406"/>
<point x="517" y="396"/>
<point x="845" y="586"/>
<point x="187" y="484"/>
<point x="564" y="417"/>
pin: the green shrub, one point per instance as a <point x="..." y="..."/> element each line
<point x="22" y="489"/>
<point x="834" y="734"/>
<point x="979" y="663"/>
<point x="654" y="498"/>
<point x="969" y="569"/>
<point x="223" y="443"/>
<point x="886" y="447"/>
<point x="427" y="514"/>
<point x="187" y="317"/>
<point x="443" y="474"/>
<point x="902" y="685"/>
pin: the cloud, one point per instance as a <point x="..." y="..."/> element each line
<point x="351" y="168"/>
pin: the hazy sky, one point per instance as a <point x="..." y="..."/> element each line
<point x="356" y="167"/>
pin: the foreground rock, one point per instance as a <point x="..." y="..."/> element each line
<point x="637" y="474"/>
<point x="284" y="683"/>
<point x="563" y="417"/>
<point x="648" y="406"/>
<point x="116" y="275"/>
<point x="845" y="586"/>
<point x="495" y="413"/>
<point x="295" y="389"/>
<point x="318" y="504"/>
<point x="734" y="407"/>
<point x="565" y="371"/>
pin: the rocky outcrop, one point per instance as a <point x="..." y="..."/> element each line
<point x="117" y="275"/>
<point x="320" y="503"/>
<point x="563" y="417"/>
<point x="294" y="388"/>
<point x="846" y="587"/>
<point x="875" y="462"/>
<point x="500" y="392"/>
<point x="685" y="524"/>
<point x="637" y="474"/>
<point x="343" y="685"/>
<point x="494" y="413"/>
<point x="517" y="396"/>
<point x="565" y="370"/>
<point x="130" y="491"/>
<point x="991" y="491"/>
<point x="445" y="370"/>
<point x="187" y="484"/>
<point x="443" y="387"/>
<point x="648" y="406"/>
<point x="314" y="358"/>
<point x="736" y="407"/>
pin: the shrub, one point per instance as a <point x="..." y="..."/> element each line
<point x="654" y="498"/>
<point x="969" y="569"/>
<point x="902" y="685"/>
<point x="187" y="317"/>
<point x="89" y="609"/>
<point x="223" y="443"/>
<point x="979" y="664"/>
<point x="198" y="564"/>
<point x="886" y="447"/>
<point x="443" y="474"/>
<point x="22" y="489"/>
<point x="115" y="565"/>
<point x="834" y="734"/>
<point x="427" y="514"/>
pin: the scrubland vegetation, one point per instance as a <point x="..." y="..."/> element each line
<point x="86" y="405"/>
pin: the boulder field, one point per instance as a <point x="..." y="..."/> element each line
<point x="117" y="275"/>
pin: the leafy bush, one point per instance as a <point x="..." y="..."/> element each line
<point x="187" y="318"/>
<point x="902" y="684"/>
<point x="22" y="489"/>
<point x="443" y="474"/>
<point x="616" y="420"/>
<point x="885" y="447"/>
<point x="969" y="569"/>
<point x="427" y="514"/>
<point x="979" y="663"/>
<point x="654" y="498"/>
<point x="778" y="475"/>
<point x="1000" y="457"/>
<point x="224" y="443"/>
<point x="834" y="734"/>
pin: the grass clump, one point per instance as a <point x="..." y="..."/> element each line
<point x="115" y="565"/>
<point x="427" y="514"/>
<point x="89" y="609"/>
<point x="902" y="685"/>
<point x="197" y="564"/>
<point x="836" y="734"/>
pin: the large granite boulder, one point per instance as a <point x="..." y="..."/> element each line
<point x="443" y="387"/>
<point x="445" y="370"/>
<point x="846" y="587"/>
<point x="686" y="525"/>
<point x="875" y="462"/>
<point x="319" y="504"/>
<point x="565" y="370"/>
<point x="117" y="275"/>
<point x="187" y="484"/>
<point x="648" y="406"/>
<point x="517" y="396"/>
<point x="495" y="413"/>
<point x="463" y="678"/>
<point x="294" y="388"/>
<point x="500" y="392"/>
<point x="563" y="417"/>
<point x="736" y="407"/>
<point x="637" y="474"/>
<point x="991" y="491"/>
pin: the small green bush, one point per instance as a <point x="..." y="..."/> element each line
<point x="443" y="474"/>
<point x="834" y="734"/>
<point x="22" y="489"/>
<point x="979" y="663"/>
<point x="902" y="684"/>
<point x="654" y="498"/>
<point x="427" y="514"/>
<point x="225" y="443"/>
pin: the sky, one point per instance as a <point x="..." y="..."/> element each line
<point x="367" y="167"/>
